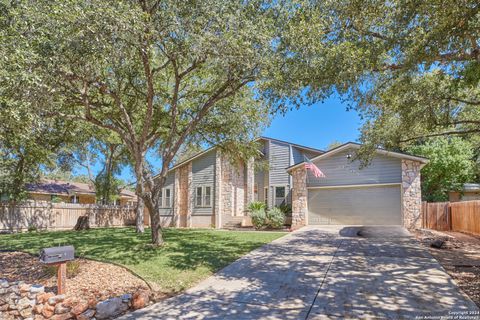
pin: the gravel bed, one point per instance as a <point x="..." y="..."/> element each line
<point x="93" y="280"/>
<point x="460" y="256"/>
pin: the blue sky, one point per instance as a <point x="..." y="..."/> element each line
<point x="314" y="126"/>
<point x="318" y="125"/>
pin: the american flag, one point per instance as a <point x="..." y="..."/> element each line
<point x="309" y="165"/>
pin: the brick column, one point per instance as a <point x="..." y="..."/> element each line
<point x="249" y="182"/>
<point x="218" y="204"/>
<point x="299" y="197"/>
<point x="411" y="194"/>
<point x="176" y="199"/>
<point x="191" y="195"/>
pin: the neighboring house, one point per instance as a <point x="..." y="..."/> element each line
<point x="207" y="190"/>
<point x="470" y="191"/>
<point x="71" y="192"/>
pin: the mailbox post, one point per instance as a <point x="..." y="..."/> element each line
<point x="58" y="256"/>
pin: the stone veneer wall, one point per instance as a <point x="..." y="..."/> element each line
<point x="218" y="204"/>
<point x="182" y="185"/>
<point x="232" y="190"/>
<point x="299" y="197"/>
<point x="226" y="194"/>
<point x="190" y="196"/>
<point x="249" y="181"/>
<point x="239" y="194"/>
<point x="412" y="194"/>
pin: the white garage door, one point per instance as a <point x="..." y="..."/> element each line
<point x="355" y="206"/>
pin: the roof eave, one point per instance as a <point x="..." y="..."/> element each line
<point x="347" y="145"/>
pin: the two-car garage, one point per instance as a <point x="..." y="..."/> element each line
<point x="357" y="205"/>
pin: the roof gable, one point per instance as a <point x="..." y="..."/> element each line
<point x="356" y="146"/>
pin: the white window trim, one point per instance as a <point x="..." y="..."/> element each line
<point x="169" y="198"/>
<point x="275" y="194"/>
<point x="203" y="205"/>
<point x="162" y="195"/>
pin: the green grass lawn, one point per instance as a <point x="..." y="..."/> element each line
<point x="189" y="255"/>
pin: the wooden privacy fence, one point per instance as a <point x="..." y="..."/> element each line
<point x="57" y="216"/>
<point x="461" y="216"/>
<point x="466" y="216"/>
<point x="436" y="215"/>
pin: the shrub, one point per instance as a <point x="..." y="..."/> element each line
<point x="286" y="209"/>
<point x="256" y="205"/>
<point x="275" y="218"/>
<point x="258" y="218"/>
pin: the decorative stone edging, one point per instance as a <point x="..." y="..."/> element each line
<point x="19" y="300"/>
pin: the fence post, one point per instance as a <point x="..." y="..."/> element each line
<point x="449" y="216"/>
<point x="424" y="214"/>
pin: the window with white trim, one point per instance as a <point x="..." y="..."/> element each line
<point x="207" y="200"/>
<point x="280" y="195"/>
<point x="168" y="198"/>
<point x="198" y="197"/>
<point x="203" y="196"/>
<point x="165" y="198"/>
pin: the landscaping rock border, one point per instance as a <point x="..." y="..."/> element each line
<point x="19" y="300"/>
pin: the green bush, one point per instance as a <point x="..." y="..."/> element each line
<point x="286" y="209"/>
<point x="258" y="218"/>
<point x="256" y="205"/>
<point x="275" y="218"/>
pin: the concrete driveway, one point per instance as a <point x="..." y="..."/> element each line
<point x="324" y="273"/>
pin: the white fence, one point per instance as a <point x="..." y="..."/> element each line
<point x="58" y="216"/>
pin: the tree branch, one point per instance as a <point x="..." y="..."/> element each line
<point x="446" y="133"/>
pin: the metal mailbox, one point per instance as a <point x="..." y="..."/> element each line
<point x="57" y="254"/>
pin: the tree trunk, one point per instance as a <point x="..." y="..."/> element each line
<point x="156" y="227"/>
<point x="157" y="236"/>
<point x="139" y="215"/>
<point x="150" y="200"/>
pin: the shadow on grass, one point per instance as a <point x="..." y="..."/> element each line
<point x="185" y="249"/>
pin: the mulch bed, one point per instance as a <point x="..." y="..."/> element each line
<point x="460" y="256"/>
<point x="94" y="279"/>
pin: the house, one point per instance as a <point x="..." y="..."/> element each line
<point x="470" y="191"/>
<point x="207" y="190"/>
<point x="71" y="192"/>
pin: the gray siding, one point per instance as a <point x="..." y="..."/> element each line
<point x="342" y="171"/>
<point x="279" y="160"/>
<point x="203" y="174"/>
<point x="169" y="183"/>
<point x="298" y="155"/>
<point x="311" y="154"/>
